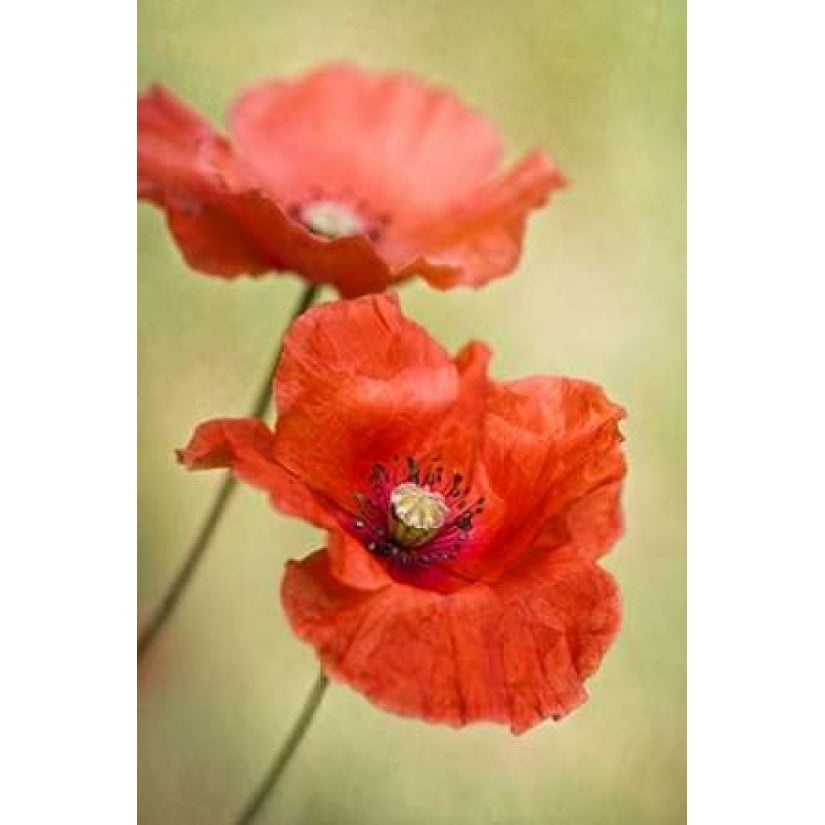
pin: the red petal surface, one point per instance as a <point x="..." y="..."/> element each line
<point x="358" y="384"/>
<point x="516" y="653"/>
<point x="245" y="446"/>
<point x="399" y="145"/>
<point x="170" y="135"/>
<point x="242" y="232"/>
<point x="482" y="239"/>
<point x="550" y="442"/>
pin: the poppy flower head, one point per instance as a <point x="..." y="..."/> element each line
<point x="465" y="517"/>
<point x="347" y="177"/>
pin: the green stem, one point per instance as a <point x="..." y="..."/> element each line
<point x="203" y="538"/>
<point x="256" y="802"/>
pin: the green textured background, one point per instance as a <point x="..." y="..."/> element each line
<point x="600" y="293"/>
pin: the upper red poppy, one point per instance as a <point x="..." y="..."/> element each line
<point x="465" y="516"/>
<point x="346" y="177"/>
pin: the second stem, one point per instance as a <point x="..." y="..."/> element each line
<point x="202" y="540"/>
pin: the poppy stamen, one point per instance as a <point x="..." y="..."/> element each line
<point x="416" y="514"/>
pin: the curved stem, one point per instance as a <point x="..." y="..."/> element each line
<point x="202" y="540"/>
<point x="284" y="755"/>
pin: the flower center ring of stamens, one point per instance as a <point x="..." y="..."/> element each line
<point x="415" y="516"/>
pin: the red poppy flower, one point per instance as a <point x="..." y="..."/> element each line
<point x="345" y="177"/>
<point x="465" y="516"/>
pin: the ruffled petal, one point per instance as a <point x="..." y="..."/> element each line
<point x="516" y="653"/>
<point x="391" y="141"/>
<point x="596" y="522"/>
<point x="170" y="135"/>
<point x="245" y="446"/>
<point x="178" y="158"/>
<point x="244" y="233"/>
<point x="213" y="240"/>
<point x="351" y="564"/>
<point x="551" y="444"/>
<point x="481" y="240"/>
<point x="359" y="384"/>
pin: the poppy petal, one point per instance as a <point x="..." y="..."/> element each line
<point x="596" y="521"/>
<point x="390" y="140"/>
<point x="352" y="565"/>
<point x="178" y="157"/>
<point x="483" y="239"/>
<point x="213" y="241"/>
<point x="359" y="383"/>
<point x="516" y="653"/>
<point x="169" y="137"/>
<point x="551" y="442"/>
<point x="245" y="446"/>
<point x="244" y="233"/>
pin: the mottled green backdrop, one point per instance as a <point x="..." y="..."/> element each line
<point x="600" y="293"/>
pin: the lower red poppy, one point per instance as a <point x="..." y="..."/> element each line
<point x="465" y="517"/>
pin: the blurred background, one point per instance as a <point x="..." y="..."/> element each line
<point x="600" y="293"/>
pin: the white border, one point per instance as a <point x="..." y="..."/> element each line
<point x="68" y="344"/>
<point x="756" y="447"/>
<point x="756" y="460"/>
